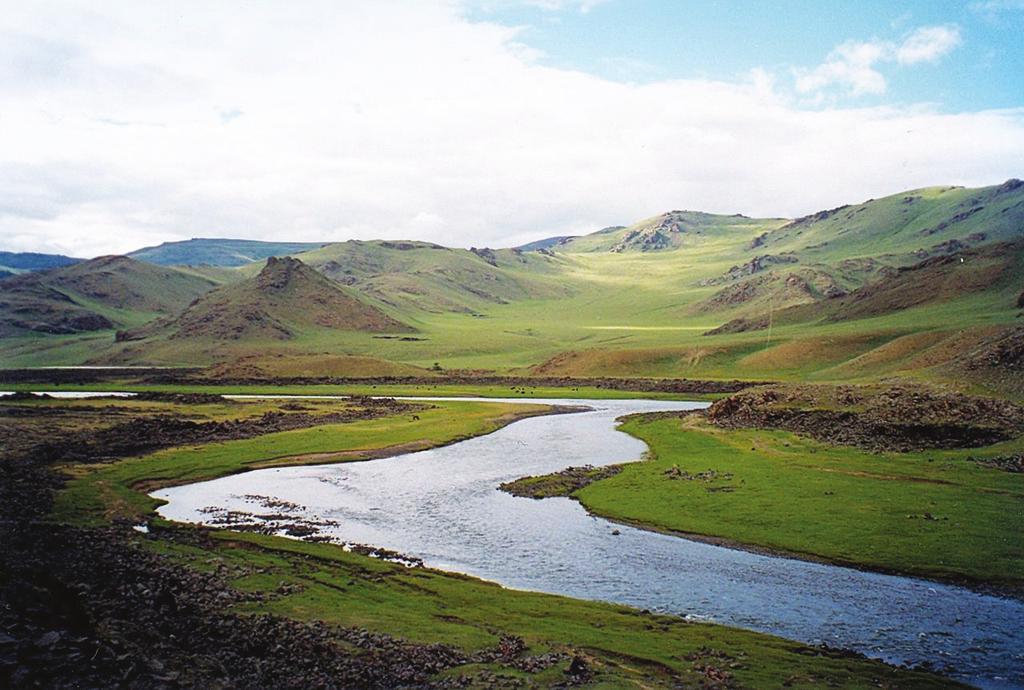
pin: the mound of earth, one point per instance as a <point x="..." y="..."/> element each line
<point x="894" y="418"/>
<point x="286" y="297"/>
<point x="774" y="291"/>
<point x="562" y="483"/>
<point x="741" y="325"/>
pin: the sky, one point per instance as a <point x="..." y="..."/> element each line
<point x="485" y="122"/>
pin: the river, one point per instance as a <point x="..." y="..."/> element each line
<point x="443" y="506"/>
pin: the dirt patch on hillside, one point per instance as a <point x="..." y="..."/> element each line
<point x="817" y="351"/>
<point x="1005" y="350"/>
<point x="890" y="418"/>
<point x="741" y="325"/>
<point x="271" y="365"/>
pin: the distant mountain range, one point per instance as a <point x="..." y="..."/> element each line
<point x="12" y="263"/>
<point x="682" y="293"/>
<point x="218" y="252"/>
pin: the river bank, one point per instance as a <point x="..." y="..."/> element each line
<point x="441" y="507"/>
<point x="377" y="597"/>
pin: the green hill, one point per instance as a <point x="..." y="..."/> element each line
<point x="93" y="295"/>
<point x="421" y="277"/>
<point x="286" y="299"/>
<point x="218" y="252"/>
<point x="637" y="301"/>
<point x="668" y="231"/>
<point x="908" y="225"/>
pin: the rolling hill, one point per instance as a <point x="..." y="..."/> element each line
<point x="669" y="231"/>
<point x="847" y="293"/>
<point x="994" y="270"/>
<point x="421" y="277"/>
<point x="218" y="252"/>
<point x="282" y="301"/>
<point x="99" y="294"/>
<point x="905" y="226"/>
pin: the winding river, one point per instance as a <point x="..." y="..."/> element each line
<point x="442" y="506"/>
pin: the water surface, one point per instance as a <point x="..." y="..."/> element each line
<point x="442" y="505"/>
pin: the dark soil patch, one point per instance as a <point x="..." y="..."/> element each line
<point x="141" y="435"/>
<point x="562" y="483"/>
<point x="890" y="418"/>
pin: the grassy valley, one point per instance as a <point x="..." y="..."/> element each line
<point x="681" y="294"/>
<point x="866" y="367"/>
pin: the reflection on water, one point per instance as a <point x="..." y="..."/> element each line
<point x="442" y="506"/>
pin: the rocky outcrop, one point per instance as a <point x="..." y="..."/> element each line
<point x="741" y="325"/>
<point x="892" y="418"/>
<point x="755" y="265"/>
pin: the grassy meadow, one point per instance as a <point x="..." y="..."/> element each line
<point x="934" y="514"/>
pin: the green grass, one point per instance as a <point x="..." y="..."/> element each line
<point x="98" y="493"/>
<point x="529" y="308"/>
<point x="627" y="648"/>
<point x="845" y="505"/>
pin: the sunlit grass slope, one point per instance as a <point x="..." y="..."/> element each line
<point x="581" y="309"/>
<point x="933" y="514"/>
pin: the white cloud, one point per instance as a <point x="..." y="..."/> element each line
<point x="927" y="44"/>
<point x="144" y="122"/>
<point x="994" y="10"/>
<point x="581" y="6"/>
<point x="853" y="65"/>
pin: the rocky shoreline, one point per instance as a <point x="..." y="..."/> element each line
<point x="900" y="418"/>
